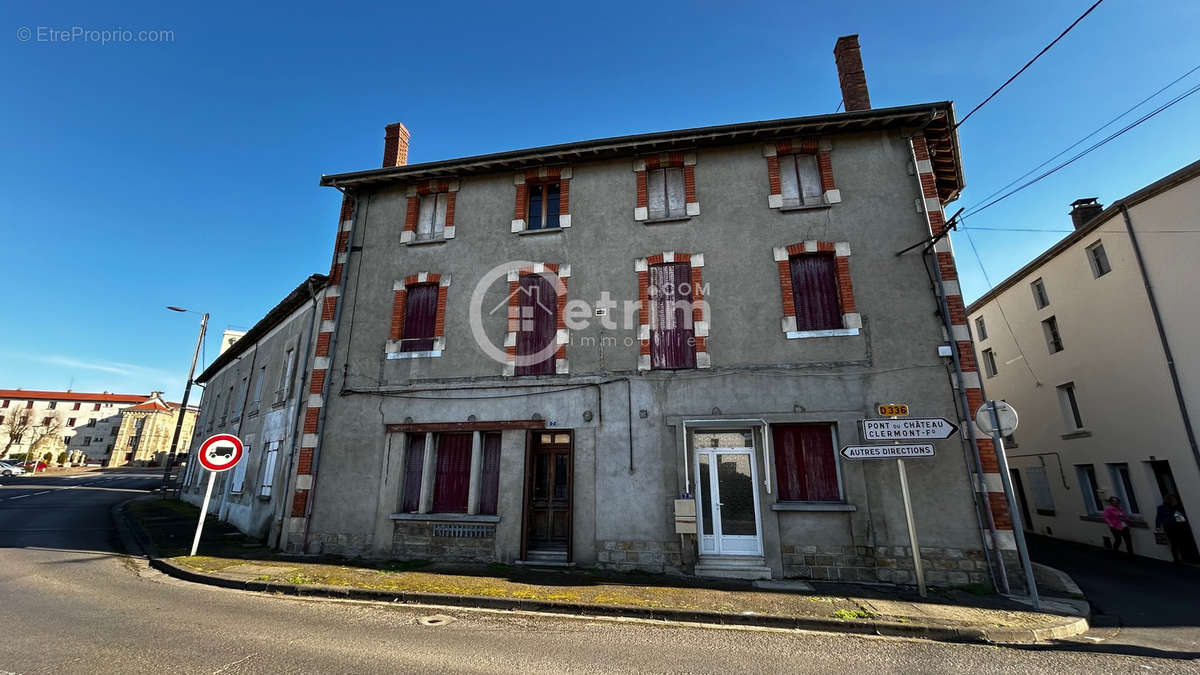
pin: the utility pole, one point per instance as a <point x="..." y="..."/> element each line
<point x="187" y="390"/>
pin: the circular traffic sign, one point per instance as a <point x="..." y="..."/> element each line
<point x="1004" y="412"/>
<point x="221" y="452"/>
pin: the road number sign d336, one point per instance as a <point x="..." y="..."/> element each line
<point x="887" y="451"/>
<point x="893" y="409"/>
<point x="910" y="429"/>
<point x="221" y="452"/>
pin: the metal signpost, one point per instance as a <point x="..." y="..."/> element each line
<point x="999" y="419"/>
<point x="219" y="453"/>
<point x="894" y="429"/>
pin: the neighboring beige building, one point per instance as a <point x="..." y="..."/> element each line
<point x="81" y="424"/>
<point x="1094" y="344"/>
<point x="229" y="337"/>
<point x="146" y="430"/>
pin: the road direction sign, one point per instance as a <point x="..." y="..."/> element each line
<point x="910" y="429"/>
<point x="221" y="452"/>
<point x="893" y="409"/>
<point x="887" y="451"/>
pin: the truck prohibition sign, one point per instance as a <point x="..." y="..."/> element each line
<point x="911" y="429"/>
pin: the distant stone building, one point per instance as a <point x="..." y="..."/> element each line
<point x="83" y="425"/>
<point x="146" y="430"/>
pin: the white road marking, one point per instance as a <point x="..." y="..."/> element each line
<point x="20" y="497"/>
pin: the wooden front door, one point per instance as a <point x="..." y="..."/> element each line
<point x="548" y="488"/>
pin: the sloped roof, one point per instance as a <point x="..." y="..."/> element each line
<point x="35" y="395"/>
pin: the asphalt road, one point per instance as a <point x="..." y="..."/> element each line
<point x="71" y="602"/>
<point x="1151" y="603"/>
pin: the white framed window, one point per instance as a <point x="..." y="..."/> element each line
<point x="1069" y="405"/>
<point x="989" y="363"/>
<point x="980" y="328"/>
<point x="1098" y="260"/>
<point x="1123" y="487"/>
<point x="267" y="479"/>
<point x="1040" y="299"/>
<point x="258" y="386"/>
<point x="431" y="216"/>
<point x="665" y="193"/>
<point x="1089" y="489"/>
<point x="284" y="390"/>
<point x="800" y="180"/>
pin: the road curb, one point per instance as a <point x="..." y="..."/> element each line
<point x="967" y="634"/>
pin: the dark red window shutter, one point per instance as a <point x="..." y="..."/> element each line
<point x="414" y="459"/>
<point x="453" y="479"/>
<point x="420" y="315"/>
<point x="815" y="292"/>
<point x="805" y="465"/>
<point x="489" y="481"/>
<point x="537" y="324"/>
<point x="672" y="338"/>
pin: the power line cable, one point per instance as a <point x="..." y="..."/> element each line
<point x="1098" y="130"/>
<point x="1024" y="67"/>
<point x="1098" y="144"/>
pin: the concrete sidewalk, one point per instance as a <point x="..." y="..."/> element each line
<point x="164" y="528"/>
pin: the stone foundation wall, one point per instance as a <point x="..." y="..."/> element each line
<point x="348" y="545"/>
<point x="889" y="564"/>
<point x="657" y="557"/>
<point x="447" y="542"/>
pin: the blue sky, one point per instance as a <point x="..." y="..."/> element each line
<point x="141" y="175"/>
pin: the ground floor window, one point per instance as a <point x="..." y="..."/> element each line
<point x="446" y="488"/>
<point x="805" y="462"/>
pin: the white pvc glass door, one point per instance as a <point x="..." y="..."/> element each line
<point x="727" y="494"/>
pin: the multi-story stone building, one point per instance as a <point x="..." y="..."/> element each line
<point x="557" y="355"/>
<point x="146" y="430"/>
<point x="83" y="425"/>
<point x="254" y="390"/>
<point x="1092" y="343"/>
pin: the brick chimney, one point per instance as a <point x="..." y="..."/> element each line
<point x="850" y="73"/>
<point x="1083" y="210"/>
<point x="395" y="145"/>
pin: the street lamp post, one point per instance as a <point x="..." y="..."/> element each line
<point x="187" y="389"/>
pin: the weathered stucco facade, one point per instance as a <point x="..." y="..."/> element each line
<point x="444" y="450"/>
<point x="254" y="390"/>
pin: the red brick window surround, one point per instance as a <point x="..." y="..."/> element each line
<point x="429" y="216"/>
<point x="807" y="311"/>
<point x="543" y="187"/>
<point x="423" y="287"/>
<point x="666" y="187"/>
<point x="649" y="309"/>
<point x="527" y="344"/>
<point x="789" y="163"/>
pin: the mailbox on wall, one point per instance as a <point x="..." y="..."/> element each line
<point x="685" y="516"/>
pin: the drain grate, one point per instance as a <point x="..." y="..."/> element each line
<point x="435" y="620"/>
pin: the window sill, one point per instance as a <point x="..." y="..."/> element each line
<point x="431" y="354"/>
<point x="426" y="242"/>
<point x="833" y="332"/>
<point x="810" y="207"/>
<point x="1044" y="512"/>
<point x="446" y="517"/>
<point x="664" y="221"/>
<point x="1132" y="522"/>
<point x="1082" y="433"/>
<point x="813" y="506"/>
<point x="540" y="230"/>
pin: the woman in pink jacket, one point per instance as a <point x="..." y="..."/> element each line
<point x="1118" y="524"/>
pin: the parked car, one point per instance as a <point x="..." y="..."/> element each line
<point x="7" y="469"/>
<point x="41" y="466"/>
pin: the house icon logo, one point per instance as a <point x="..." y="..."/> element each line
<point x="520" y="307"/>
